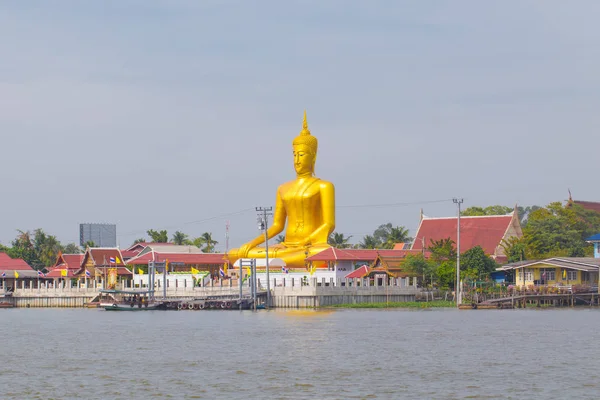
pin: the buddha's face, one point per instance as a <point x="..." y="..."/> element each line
<point x="304" y="160"/>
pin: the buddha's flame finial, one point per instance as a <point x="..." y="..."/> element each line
<point x="305" y="130"/>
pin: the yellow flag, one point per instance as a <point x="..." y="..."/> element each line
<point x="16" y="274"/>
<point x="195" y="271"/>
<point x="564" y="274"/>
<point x="117" y="260"/>
<point x="225" y="267"/>
<point x="63" y="272"/>
<point x="140" y="271"/>
<point x="248" y="271"/>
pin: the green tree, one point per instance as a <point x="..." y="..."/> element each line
<point x="158" y="236"/>
<point x="514" y="248"/>
<point x="22" y="247"/>
<point x="474" y="263"/>
<point x="180" y="238"/>
<point x="490" y="210"/>
<point x="339" y="241"/>
<point x="89" y="243"/>
<point x="424" y="269"/>
<point x="382" y="233"/>
<point x="205" y="242"/>
<point x="446" y="273"/>
<point x="138" y="240"/>
<point x="368" y="242"/>
<point x="71" y="248"/>
<point x="442" y="250"/>
<point x="559" y="231"/>
<point x="46" y="248"/>
<point x="397" y="234"/>
<point x="386" y="236"/>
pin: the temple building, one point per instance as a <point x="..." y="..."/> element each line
<point x="15" y="271"/>
<point x="65" y="266"/>
<point x="487" y="231"/>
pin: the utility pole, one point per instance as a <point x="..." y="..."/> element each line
<point x="263" y="224"/>
<point x="458" y="202"/>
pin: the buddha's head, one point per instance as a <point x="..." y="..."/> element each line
<point x="305" y="151"/>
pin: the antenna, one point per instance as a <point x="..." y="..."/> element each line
<point x="226" y="236"/>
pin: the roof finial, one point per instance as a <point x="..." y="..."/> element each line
<point x="570" y="197"/>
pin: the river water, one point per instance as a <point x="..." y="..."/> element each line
<point x="342" y="354"/>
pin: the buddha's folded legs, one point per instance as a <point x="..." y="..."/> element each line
<point x="293" y="256"/>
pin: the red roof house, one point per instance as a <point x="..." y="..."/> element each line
<point x="486" y="231"/>
<point x="13" y="264"/>
<point x="70" y="263"/>
<point x="15" y="268"/>
<point x="182" y="261"/>
<point x="97" y="260"/>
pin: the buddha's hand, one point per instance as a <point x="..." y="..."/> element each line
<point x="244" y="250"/>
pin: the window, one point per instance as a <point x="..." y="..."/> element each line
<point x="585" y="276"/>
<point x="526" y="275"/>
<point x="547" y="274"/>
<point x="571" y="275"/>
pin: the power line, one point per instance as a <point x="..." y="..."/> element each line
<point x="395" y="204"/>
<point x="194" y="222"/>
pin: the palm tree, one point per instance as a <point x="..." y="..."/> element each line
<point x="180" y="238"/>
<point x="339" y="241"/>
<point x="205" y="240"/>
<point x="139" y="240"/>
<point x="158" y="236"/>
<point x="72" y="248"/>
<point x="368" y="242"/>
<point x="280" y="239"/>
<point x="398" y="234"/>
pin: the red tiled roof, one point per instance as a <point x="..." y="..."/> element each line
<point x="57" y="273"/>
<point x="588" y="205"/>
<point x="17" y="264"/>
<point x="333" y="254"/>
<point x="100" y="269"/>
<point x="101" y="256"/>
<point x="485" y="231"/>
<point x="186" y="258"/>
<point x="129" y="253"/>
<point x="138" y="247"/>
<point x="359" y="272"/>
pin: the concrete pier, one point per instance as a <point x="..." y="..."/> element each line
<point x="305" y="293"/>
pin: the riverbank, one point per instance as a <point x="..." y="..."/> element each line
<point x="405" y="304"/>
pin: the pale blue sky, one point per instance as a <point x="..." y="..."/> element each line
<point x="156" y="114"/>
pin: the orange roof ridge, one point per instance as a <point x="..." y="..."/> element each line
<point x="473" y="216"/>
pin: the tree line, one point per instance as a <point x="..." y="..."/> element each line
<point x="40" y="250"/>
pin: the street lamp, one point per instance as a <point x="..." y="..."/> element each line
<point x="263" y="225"/>
<point x="458" y="202"/>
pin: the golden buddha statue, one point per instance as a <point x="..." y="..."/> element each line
<point x="308" y="205"/>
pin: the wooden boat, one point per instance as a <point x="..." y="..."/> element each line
<point x="6" y="304"/>
<point x="129" y="300"/>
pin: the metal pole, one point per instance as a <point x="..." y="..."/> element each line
<point x="240" y="279"/>
<point x="165" y="281"/>
<point x="267" y="257"/>
<point x="264" y="222"/>
<point x="254" y="283"/>
<point x="458" y="293"/>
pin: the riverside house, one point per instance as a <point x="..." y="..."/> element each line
<point x="557" y="271"/>
<point x="15" y="272"/>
